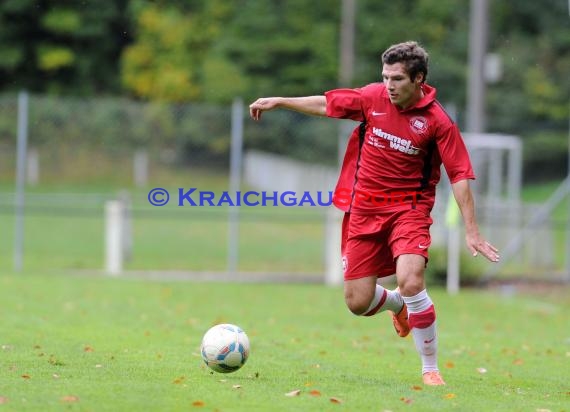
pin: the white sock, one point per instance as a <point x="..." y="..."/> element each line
<point x="421" y="316"/>
<point x="384" y="299"/>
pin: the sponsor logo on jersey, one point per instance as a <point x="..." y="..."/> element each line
<point x="396" y="142"/>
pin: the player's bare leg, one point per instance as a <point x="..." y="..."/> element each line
<point x="421" y="314"/>
<point x="364" y="297"/>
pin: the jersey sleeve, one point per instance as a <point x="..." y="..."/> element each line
<point x="345" y="104"/>
<point x="454" y="154"/>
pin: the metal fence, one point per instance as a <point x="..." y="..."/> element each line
<point x="82" y="153"/>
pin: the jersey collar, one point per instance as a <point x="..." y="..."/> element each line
<point x="428" y="98"/>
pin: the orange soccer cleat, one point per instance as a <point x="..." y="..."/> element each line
<point x="433" y="379"/>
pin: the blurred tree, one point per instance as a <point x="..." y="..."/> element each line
<point x="533" y="40"/>
<point x="212" y="50"/>
<point x="218" y="49"/>
<point x="289" y="48"/>
<point x="174" y="56"/>
<point x="62" y="46"/>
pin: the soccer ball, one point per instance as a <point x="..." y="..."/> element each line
<point x="225" y="348"/>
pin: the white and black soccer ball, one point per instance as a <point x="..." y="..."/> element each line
<point x="225" y="348"/>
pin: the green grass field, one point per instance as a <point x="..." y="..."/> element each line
<point x="84" y="343"/>
<point x="73" y="341"/>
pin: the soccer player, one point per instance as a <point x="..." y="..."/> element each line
<point x="387" y="189"/>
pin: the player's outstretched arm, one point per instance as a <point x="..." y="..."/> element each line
<point x="313" y="105"/>
<point x="475" y="242"/>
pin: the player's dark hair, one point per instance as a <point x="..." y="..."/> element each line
<point x="411" y="55"/>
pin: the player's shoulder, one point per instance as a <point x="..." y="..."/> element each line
<point x="372" y="93"/>
<point x="440" y="115"/>
<point x="373" y="88"/>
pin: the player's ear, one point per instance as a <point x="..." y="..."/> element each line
<point x="419" y="78"/>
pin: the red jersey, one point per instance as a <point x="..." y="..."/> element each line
<point x="393" y="158"/>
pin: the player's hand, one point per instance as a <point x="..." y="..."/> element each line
<point x="477" y="244"/>
<point x="261" y="105"/>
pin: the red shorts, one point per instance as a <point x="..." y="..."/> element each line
<point x="371" y="243"/>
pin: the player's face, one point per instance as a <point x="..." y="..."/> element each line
<point x="402" y="90"/>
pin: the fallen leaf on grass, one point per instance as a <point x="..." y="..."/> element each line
<point x="70" y="399"/>
<point x="407" y="400"/>
<point x="54" y="361"/>
<point x="236" y="386"/>
<point x="3" y="400"/>
<point x="449" y="396"/>
<point x="315" y="392"/>
<point x="219" y="319"/>
<point x="55" y="376"/>
<point x="417" y="388"/>
<point x="26" y="376"/>
<point x="88" y="349"/>
<point x="518" y="362"/>
<point x="296" y="392"/>
<point x="179" y="380"/>
<point x="198" y="403"/>
<point x="335" y="400"/>
<point x="449" y="365"/>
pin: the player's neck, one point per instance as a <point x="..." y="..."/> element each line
<point x="419" y="95"/>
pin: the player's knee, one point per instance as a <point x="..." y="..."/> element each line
<point x="411" y="285"/>
<point x="357" y="304"/>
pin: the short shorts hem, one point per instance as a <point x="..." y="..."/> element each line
<point x="415" y="251"/>
<point x="381" y="274"/>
